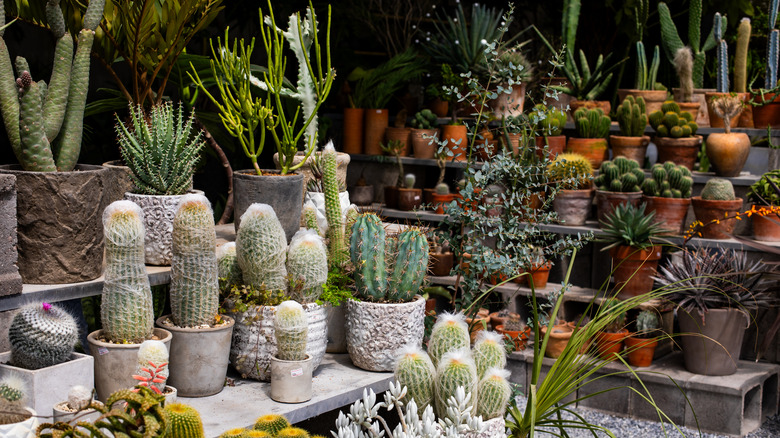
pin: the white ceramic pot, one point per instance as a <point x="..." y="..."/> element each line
<point x="22" y="429"/>
<point x="291" y="380"/>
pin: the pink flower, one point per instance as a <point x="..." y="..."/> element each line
<point x="46" y="306"/>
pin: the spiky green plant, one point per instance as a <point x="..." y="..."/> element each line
<point x="620" y="175"/>
<point x="669" y="121"/>
<point x="740" y="56"/>
<point x="668" y="180"/>
<point x="553" y="121"/>
<point x="645" y="78"/>
<point x="261" y="249"/>
<point x="292" y="432"/>
<point x="41" y="335"/>
<point x="367" y="250"/>
<point x="449" y="333"/>
<point x="591" y="123"/>
<point x="494" y="393"/>
<point x="160" y="149"/>
<point x="233" y="433"/>
<point x="409" y="266"/>
<point x="184" y="421"/>
<point x="307" y="266"/>
<point x="718" y="189"/>
<point x="646" y="324"/>
<point x="456" y="369"/>
<point x="488" y="352"/>
<point x="291" y="328"/>
<point x="336" y="245"/>
<point x="628" y="225"/>
<point x="632" y="117"/>
<point x="573" y="171"/>
<point x="271" y="423"/>
<point x="416" y="372"/>
<point x="618" y="322"/>
<point x="424" y="119"/>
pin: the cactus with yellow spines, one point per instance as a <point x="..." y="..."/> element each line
<point x="669" y="121"/>
<point x="256" y="434"/>
<point x="13" y="398"/>
<point x="227" y="266"/>
<point x="184" y="421"/>
<point x="271" y="423"/>
<point x="292" y="432"/>
<point x="488" y="352"/>
<point x="415" y="370"/>
<point x="261" y="249"/>
<point x="494" y="393"/>
<point x="233" y="433"/>
<point x="307" y="265"/>
<point x="291" y="329"/>
<point x="455" y="369"/>
<point x="450" y="333"/>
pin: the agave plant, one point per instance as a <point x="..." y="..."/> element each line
<point x="630" y="226"/>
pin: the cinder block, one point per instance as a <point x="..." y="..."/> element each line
<point x="613" y="379"/>
<point x="10" y="280"/>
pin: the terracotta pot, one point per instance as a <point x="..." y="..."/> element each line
<point x="766" y="228"/>
<point x="559" y="338"/>
<point x="608" y="344"/>
<point x="728" y="153"/>
<point x="714" y="344"/>
<point x="439" y="201"/>
<point x="506" y="105"/>
<point x="409" y="199"/>
<point x="694" y="109"/>
<point x="428" y="196"/>
<point x="539" y="274"/>
<point x="457" y="140"/>
<point x="670" y="213"/>
<point x="769" y="113"/>
<point x="563" y="100"/>
<point x="423" y="147"/>
<point x="653" y="98"/>
<point x="746" y="116"/>
<point x="702" y="117"/>
<point x="633" y="269"/>
<point x="640" y="351"/>
<point x="605" y="105"/>
<point x="607" y="201"/>
<point x="497" y="320"/>
<point x="708" y="210"/>
<point x="514" y="142"/>
<point x="374" y="125"/>
<point x="353" y="130"/>
<point x="519" y="337"/>
<point x="715" y="121"/>
<point x="399" y="134"/>
<point x="441" y="264"/>
<point x="573" y="206"/>
<point x="555" y="145"/>
<point x="680" y="151"/>
<point x="629" y="147"/>
<point x="594" y="149"/>
<point x="391" y="196"/>
<point x="439" y="107"/>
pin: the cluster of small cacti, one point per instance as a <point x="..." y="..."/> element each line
<point x="291" y="329"/>
<point x="718" y="189"/>
<point x="184" y="420"/>
<point x="41" y="335"/>
<point x="572" y="170"/>
<point x="269" y="426"/>
<point x="669" y="121"/>
<point x="12" y="400"/>
<point x="668" y="180"/>
<point x="620" y="175"/>
<point x="591" y="123"/>
<point x="152" y="365"/>
<point x="632" y="117"/>
<point x="424" y="119"/>
<point x="554" y="119"/>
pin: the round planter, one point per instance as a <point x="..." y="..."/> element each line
<point x="171" y="394"/>
<point x="120" y="181"/>
<point x="555" y="145"/>
<point x="653" y="98"/>
<point x="509" y="105"/>
<point x="769" y="113"/>
<point x="715" y="121"/>
<point x="607" y="201"/>
<point x="559" y="338"/>
<point x="63" y="414"/>
<point x="670" y="213"/>
<point x="538" y="273"/>
<point x="375" y="331"/>
<point x="640" y="351"/>
<point x="399" y="134"/>
<point x="283" y="193"/>
<point x="573" y="206"/>
<point x="291" y="380"/>
<point x="629" y="147"/>
<point x="159" y="211"/>
<point x="115" y="363"/>
<point x="337" y="335"/>
<point x="702" y="116"/>
<point x="374" y="125"/>
<point x="680" y="151"/>
<point x="59" y="223"/>
<point x="609" y="344"/>
<point x="497" y="320"/>
<point x="575" y="104"/>
<point x="457" y="140"/>
<point x="511" y="142"/>
<point x="424" y="142"/>
<point x="342" y="162"/>
<point x="440" y="201"/>
<point x="254" y="343"/>
<point x="518" y="337"/>
<point x="766" y="228"/>
<point x="441" y="264"/>
<point x="712" y="346"/>
<point x="409" y="199"/>
<point x="22" y="429"/>
<point x="633" y="270"/>
<point x="353" y="130"/>
<point x="439" y="107"/>
<point x="728" y="153"/>
<point x="707" y="211"/>
<point x="594" y="149"/>
<point x="198" y="358"/>
<point x="362" y="195"/>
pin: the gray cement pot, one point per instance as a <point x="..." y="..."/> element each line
<point x="337" y="334"/>
<point x="283" y="193"/>
<point x="60" y="228"/>
<point x="291" y="380"/>
<point x="120" y="181"/>
<point x="254" y="343"/>
<point x="714" y="344"/>
<point x="115" y="363"/>
<point x="198" y="358"/>
<point x="10" y="279"/>
<point x="573" y="206"/>
<point x="375" y="331"/>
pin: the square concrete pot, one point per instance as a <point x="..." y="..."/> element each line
<point x="49" y="386"/>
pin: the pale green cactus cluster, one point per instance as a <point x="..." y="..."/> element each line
<point x="718" y="189"/>
<point x="291" y="329"/>
<point x="41" y="335"/>
<point x="669" y="121"/>
<point x="591" y="123"/>
<point x="668" y="180"/>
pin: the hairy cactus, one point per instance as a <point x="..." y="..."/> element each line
<point x="494" y="393"/>
<point x="683" y="65"/>
<point x="424" y="119"/>
<point x="668" y="180"/>
<point x="337" y="247"/>
<point x="227" y="266"/>
<point x="740" y="56"/>
<point x="261" y="249"/>
<point x="194" y="274"/>
<point x="718" y="189"/>
<point x="409" y="267"/>
<point x="442" y="189"/>
<point x="455" y="369"/>
<point x="291" y="329"/>
<point x="79" y="397"/>
<point x="13" y="399"/>
<point x="620" y="175"/>
<point x="591" y="123"/>
<point x="292" y="432"/>
<point x="271" y="423"/>
<point x="415" y="370"/>
<point x="184" y="421"/>
<point x="669" y="121"/>
<point x="307" y="265"/>
<point x="573" y="171"/>
<point x="152" y="368"/>
<point x="367" y="249"/>
<point x="632" y="117"/>
<point x="41" y="335"/>
<point x="126" y="306"/>
<point x="488" y="352"/>
<point x="450" y="333"/>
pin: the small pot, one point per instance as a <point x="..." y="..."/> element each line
<point x="423" y="146"/>
<point x="439" y="107"/>
<point x="766" y="228"/>
<point x="634" y="269"/>
<point x="715" y="121"/>
<point x="728" y="153"/>
<point x="767" y="114"/>
<point x="353" y="130"/>
<point x="291" y="380"/>
<point x="538" y="273"/>
<point x="709" y="210"/>
<point x="575" y="104"/>
<point x="391" y="196"/>
<point x="518" y="337"/>
<point x="702" y="116"/>
<point x="441" y="264"/>
<point x="409" y="199"/>
<point x="439" y="201"/>
<point x="555" y="145"/>
<point x="362" y="195"/>
<point x="607" y="201"/>
<point x="496" y="320"/>
<point x="573" y="206"/>
<point x="640" y="351"/>
<point x="559" y="338"/>
<point x="457" y="140"/>
<point x="63" y="414"/>
<point x="594" y="149"/>
<point x="670" y="213"/>
<point x="607" y="344"/>
<point x="399" y="134"/>
<point x="680" y="151"/>
<point x="629" y="147"/>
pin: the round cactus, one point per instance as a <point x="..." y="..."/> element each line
<point x="256" y="434"/>
<point x="671" y="122"/>
<point x="233" y="433"/>
<point x="574" y="171"/>
<point x="488" y="352"/>
<point x="271" y="423"/>
<point x="184" y="421"/>
<point x="442" y="189"/>
<point x="153" y="362"/>
<point x="415" y="370"/>
<point x="307" y="265"/>
<point x="227" y="266"/>
<point x="291" y="328"/>
<point x="494" y="393"/>
<point x="409" y="267"/>
<point x="41" y="335"/>
<point x="450" y="333"/>
<point x="718" y="189"/>
<point x="292" y="432"/>
<point x="455" y="369"/>
<point x="367" y="249"/>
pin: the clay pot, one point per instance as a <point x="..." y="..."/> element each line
<point x="728" y="152"/>
<point x="555" y="145"/>
<point x="629" y="147"/>
<point x="670" y="213"/>
<point x="559" y="338"/>
<point x="769" y="113"/>
<point x="441" y="264"/>
<point x="694" y="109"/>
<point x="573" y="206"/>
<point x="423" y="147"/>
<point x="702" y="117"/>
<point x="514" y="142"/>
<point x="640" y="351"/>
<point x="506" y="105"/>
<point x="497" y="320"/>
<point x="607" y="201"/>
<point x="633" y="269"/>
<point x="439" y="201"/>
<point x="594" y="149"/>
<point x="605" y="105"/>
<point x="653" y="98"/>
<point x="564" y="100"/>
<point x="538" y="273"/>
<point x="715" y="121"/>
<point x="374" y="125"/>
<point x="607" y="344"/>
<point x="353" y="130"/>
<point x="518" y="337"/>
<point x="399" y="134"/>
<point x="457" y="140"/>
<point x="766" y="228"/>
<point x="708" y="210"/>
<point x="362" y="195"/>
<point x="439" y="107"/>
<point x="391" y="196"/>
<point x="680" y="151"/>
<point x="714" y="344"/>
<point x="409" y="199"/>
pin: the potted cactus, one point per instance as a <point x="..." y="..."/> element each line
<point x="608" y="343"/>
<point x="16" y="418"/>
<point x="77" y="406"/>
<point x="642" y="343"/>
<point x="152" y="369"/>
<point x="645" y="86"/>
<point x="722" y="78"/>
<point x="683" y="66"/>
<point x="424" y="133"/>
<point x="675" y="135"/>
<point x="727" y="151"/>
<point x="409" y="197"/>
<point x="550" y="135"/>
<point x="667" y="192"/>
<point x="716" y="208"/>
<point x="573" y="202"/>
<point x="765" y="199"/>
<point x="766" y="109"/>
<point x="515" y="330"/>
<point x="591" y="141"/>
<point x="291" y="367"/>
<point x="619" y="182"/>
<point x="632" y="141"/>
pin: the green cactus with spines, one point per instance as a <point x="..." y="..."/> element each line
<point x="628" y="181"/>
<point x="336" y="244"/>
<point x="184" y="420"/>
<point x="616" y="185"/>
<point x="391" y="251"/>
<point x="351" y="217"/>
<point x="686" y="116"/>
<point x="261" y="249"/>
<point x="685" y="186"/>
<point x="591" y="123"/>
<point x="670" y="106"/>
<point x="310" y="218"/>
<point x="424" y="119"/>
<point x="455" y="369"/>
<point x="41" y="335"/>
<point x="13" y="398"/>
<point x="488" y="352"/>
<point x="126" y="304"/>
<point x="271" y="423"/>
<point x="668" y="180"/>
<point x="367" y="249"/>
<point x="658" y="172"/>
<point x="612" y="172"/>
<point x="227" y="266"/>
<point x="554" y="120"/>
<point x="649" y="187"/>
<point x="194" y="287"/>
<point x="494" y="394"/>
<point x="291" y="329"/>
<point x="632" y="117"/>
<point x="718" y="189"/>
<point x="646" y="321"/>
<point x="571" y="167"/>
<point x="675" y="175"/>
<point x="292" y="432"/>
<point x="639" y="174"/>
<point x="233" y="433"/>
<point x="656" y="118"/>
<point x="671" y="119"/>
<point x="307" y="265"/>
<point x="676" y="132"/>
<point x="449" y="333"/>
<point x="670" y="122"/>
<point x="416" y="372"/>
<point x="662" y="131"/>
<point x="676" y="193"/>
<point x="409" y="267"/>
<point x="620" y="175"/>
<point x="256" y="434"/>
<point x="622" y="164"/>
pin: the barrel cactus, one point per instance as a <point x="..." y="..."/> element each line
<point x="632" y="117"/>
<point x="292" y="432"/>
<point x="307" y="265"/>
<point x="41" y="335"/>
<point x="13" y="399"/>
<point x="367" y="250"/>
<point x="488" y="352"/>
<point x="494" y="393"/>
<point x="233" y="433"/>
<point x="669" y="121"/>
<point x="291" y="329"/>
<point x="256" y="434"/>
<point x="620" y="175"/>
<point x="718" y="189"/>
<point x="572" y="171"/>
<point x="450" y="333"/>
<point x="591" y="123"/>
<point x="261" y="249"/>
<point x="227" y="266"/>
<point x="668" y="180"/>
<point x="184" y="421"/>
<point x="271" y="423"/>
<point x="415" y="370"/>
<point x="126" y="306"/>
<point x="152" y="367"/>
<point x="456" y="369"/>
<point x="410" y="265"/>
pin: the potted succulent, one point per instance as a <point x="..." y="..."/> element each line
<point x="515" y="72"/>
<point x="683" y="66"/>
<point x="653" y="94"/>
<point x="76" y="407"/>
<point x="765" y="100"/>
<point x="585" y="84"/>
<point x="400" y="132"/>
<point x="640" y="346"/>
<point x="592" y="127"/>
<point x="551" y="137"/>
<point x="291" y="366"/>
<point x="424" y="133"/>
<point x="675" y="135"/>
<point x="515" y="330"/>
<point x="440" y="196"/>
<point x="608" y="342"/>
<point x="409" y="198"/>
<point x="441" y="257"/>
<point x="16" y="418"/>
<point x="722" y="78"/>
<point x="765" y="199"/>
<point x="632" y="141"/>
<point x="152" y="370"/>
<point x="715" y="209"/>
<point x="574" y="174"/>
<point x="667" y="192"/>
<point x="619" y="182"/>
<point x="727" y="151"/>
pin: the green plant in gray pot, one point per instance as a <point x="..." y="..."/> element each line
<point x="291" y="367"/>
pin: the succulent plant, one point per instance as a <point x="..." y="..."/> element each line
<point x="668" y="180"/>
<point x="628" y="225"/>
<point x="727" y="107"/>
<point x="13" y="398"/>
<point x="620" y="175"/>
<point x="261" y="249"/>
<point x="310" y="218"/>
<point x="307" y="265"/>
<point x="772" y="47"/>
<point x="645" y="78"/>
<point x="271" y="423"/>
<point x="367" y="250"/>
<point x="646" y="324"/>
<point x="572" y="171"/>
<point x="455" y="369"/>
<point x="291" y="329"/>
<point x="394" y="148"/>
<point x="41" y="335"/>
<point x="256" y="434"/>
<point x="553" y="121"/>
<point x="233" y="433"/>
<point x="718" y="189"/>
<point x="409" y="266"/>
<point x="632" y="117"/>
<point x="449" y="333"/>
<point x="227" y="266"/>
<point x="488" y="352"/>
<point x="494" y="393"/>
<point x="409" y="180"/>
<point x="152" y="367"/>
<point x="722" y="49"/>
<point x="424" y="119"/>
<point x="416" y="372"/>
<point x="591" y="123"/>
<point x="669" y="121"/>
<point x="184" y="421"/>
<point x="762" y="191"/>
<point x="740" y="55"/>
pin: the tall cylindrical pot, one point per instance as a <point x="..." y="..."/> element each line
<point x="283" y="193"/>
<point x="374" y="126"/>
<point x="680" y="151"/>
<point x="633" y="269"/>
<point x="573" y="206"/>
<point x="634" y="148"/>
<point x="607" y="201"/>
<point x="291" y="380"/>
<point x="393" y="133"/>
<point x="712" y="343"/>
<point x="670" y="213"/>
<point x="457" y="140"/>
<point x="353" y="130"/>
<point x="728" y="153"/>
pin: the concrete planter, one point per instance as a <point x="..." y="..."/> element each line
<point x="375" y="331"/>
<point x="291" y="380"/>
<point x="283" y="193"/>
<point x="10" y="280"/>
<point x="50" y="385"/>
<point x="573" y="206"/>
<point x="115" y="363"/>
<point x="712" y="346"/>
<point x="337" y="335"/>
<point x="254" y="343"/>
<point x="22" y="429"/>
<point x="198" y="358"/>
<point x="65" y="415"/>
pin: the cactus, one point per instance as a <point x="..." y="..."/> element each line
<point x="152" y="367"/>
<point x="722" y="65"/>
<point x="442" y="189"/>
<point x="184" y="421"/>
<point x="292" y="432"/>
<point x="718" y="189"/>
<point x="261" y="248"/>
<point x="620" y="175"/>
<point x="455" y="369"/>
<point x="740" y="56"/>
<point x="416" y="372"/>
<point x="683" y="65"/>
<point x="573" y="171"/>
<point x="554" y="120"/>
<point x="669" y="121"/>
<point x="227" y="266"/>
<point x="233" y="433"/>
<point x="41" y="335"/>
<point x="79" y="397"/>
<point x="367" y="249"/>
<point x="449" y="333"/>
<point x="336" y="243"/>
<point x="772" y="48"/>
<point x="291" y="329"/>
<point x="668" y="180"/>
<point x="409" y="267"/>
<point x="646" y="321"/>
<point x="409" y="180"/>
<point x="727" y="107"/>
<point x="310" y="218"/>
<point x="488" y="352"/>
<point x="424" y="119"/>
<point x="194" y="287"/>
<point x="591" y="123"/>
<point x="494" y="393"/>
<point x="351" y="218"/>
<point x="632" y="117"/>
<point x="271" y="423"/>
<point x="126" y="306"/>
<point x="256" y="434"/>
<point x="307" y="265"/>
<point x="13" y="398"/>
<point x="645" y="79"/>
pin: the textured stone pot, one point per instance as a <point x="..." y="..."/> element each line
<point x="375" y="331"/>
<point x="10" y="280"/>
<point x="670" y="213"/>
<point x="291" y="380"/>
<point x="680" y="151"/>
<point x="115" y="363"/>
<point x="254" y="342"/>
<point x="198" y="358"/>
<point x="728" y="153"/>
<point x="712" y="346"/>
<point x="22" y="429"/>
<point x="120" y="180"/>
<point x="573" y="206"/>
<point x="424" y="144"/>
<point x="707" y="211"/>
<point x="629" y="147"/>
<point x="283" y="193"/>
<point x="337" y="334"/>
<point x="607" y="201"/>
<point x="59" y="220"/>
<point x="65" y="415"/>
<point x="342" y="162"/>
<point x="594" y="149"/>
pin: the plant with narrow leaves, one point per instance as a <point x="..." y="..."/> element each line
<point x="184" y="421"/>
<point x="668" y="180"/>
<point x="41" y="335"/>
<point x="763" y="191"/>
<point x="618" y="321"/>
<point x="628" y="225"/>
<point x="645" y="78"/>
<point x="632" y="117"/>
<point x="291" y="329"/>
<point x="261" y="249"/>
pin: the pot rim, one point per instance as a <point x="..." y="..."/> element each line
<point x="276" y="359"/>
<point x="142" y="195"/>
<point x="174" y="328"/>
<point x="252" y="173"/>
<point x="92" y="338"/>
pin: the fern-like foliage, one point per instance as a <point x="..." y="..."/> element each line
<point x="160" y="149"/>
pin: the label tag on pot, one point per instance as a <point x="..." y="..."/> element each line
<point x="379" y="111"/>
<point x="296" y="372"/>
<point x="102" y="350"/>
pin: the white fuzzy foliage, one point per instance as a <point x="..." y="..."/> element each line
<point x="226" y="249"/>
<point x="79" y="397"/>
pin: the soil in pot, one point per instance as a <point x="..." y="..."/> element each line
<point x="353" y="130"/>
<point x="680" y="151"/>
<point x="629" y="147"/>
<point x="708" y="211"/>
<point x="633" y="270"/>
<point x="640" y="351"/>
<point x="670" y="213"/>
<point x="559" y="338"/>
<point x="728" y="153"/>
<point x="608" y="344"/>
<point x="712" y="346"/>
<point x="283" y="193"/>
<point x="607" y="201"/>
<point x="409" y="199"/>
<point x="573" y="206"/>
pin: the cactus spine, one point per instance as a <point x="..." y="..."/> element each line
<point x="646" y="321"/>
<point x="632" y="117"/>
<point x="672" y="42"/>
<point x="184" y="421"/>
<point x="415" y="370"/>
<point x="723" y="54"/>
<point x="227" y="266"/>
<point x="291" y="329"/>
<point x="772" y="47"/>
<point x="718" y="189"/>
<point x="153" y="363"/>
<point x="261" y="248"/>
<point x="740" y="56"/>
<point x="41" y="335"/>
<point x="494" y="393"/>
<point x="126" y="306"/>
<point x="12" y="400"/>
<point x="337" y="249"/>
<point x="668" y="180"/>
<point x="591" y="123"/>
<point x="455" y="369"/>
<point x="450" y="333"/>
<point x="271" y="423"/>
<point x="409" y="267"/>
<point x="307" y="265"/>
<point x="194" y="273"/>
<point x="233" y="433"/>
<point x="620" y="175"/>
<point x="310" y="218"/>
<point x="367" y="249"/>
<point x="488" y="352"/>
<point x="573" y="171"/>
<point x="292" y="432"/>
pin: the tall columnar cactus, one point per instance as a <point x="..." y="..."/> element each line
<point x="722" y="65"/>
<point x="337" y="247"/>
<point x="152" y="364"/>
<point x="367" y="249"/>
<point x="194" y="273"/>
<point x="668" y="180"/>
<point x="13" y="399"/>
<point x="494" y="393"/>
<point x="632" y="117"/>
<point x="772" y="47"/>
<point x="227" y="266"/>
<point x="126" y="306"/>
<point x="740" y="56"/>
<point x="184" y="421"/>
<point x="291" y="328"/>
<point x="261" y="249"/>
<point x="271" y="423"/>
<point x="488" y="352"/>
<point x="670" y="121"/>
<point x="450" y="333"/>
<point x="410" y="266"/>
<point x="415" y="370"/>
<point x="718" y="189"/>
<point x="455" y="369"/>
<point x="44" y="123"/>
<point x="307" y="265"/>
<point x="591" y="123"/>
<point x="41" y="335"/>
<point x="620" y="175"/>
